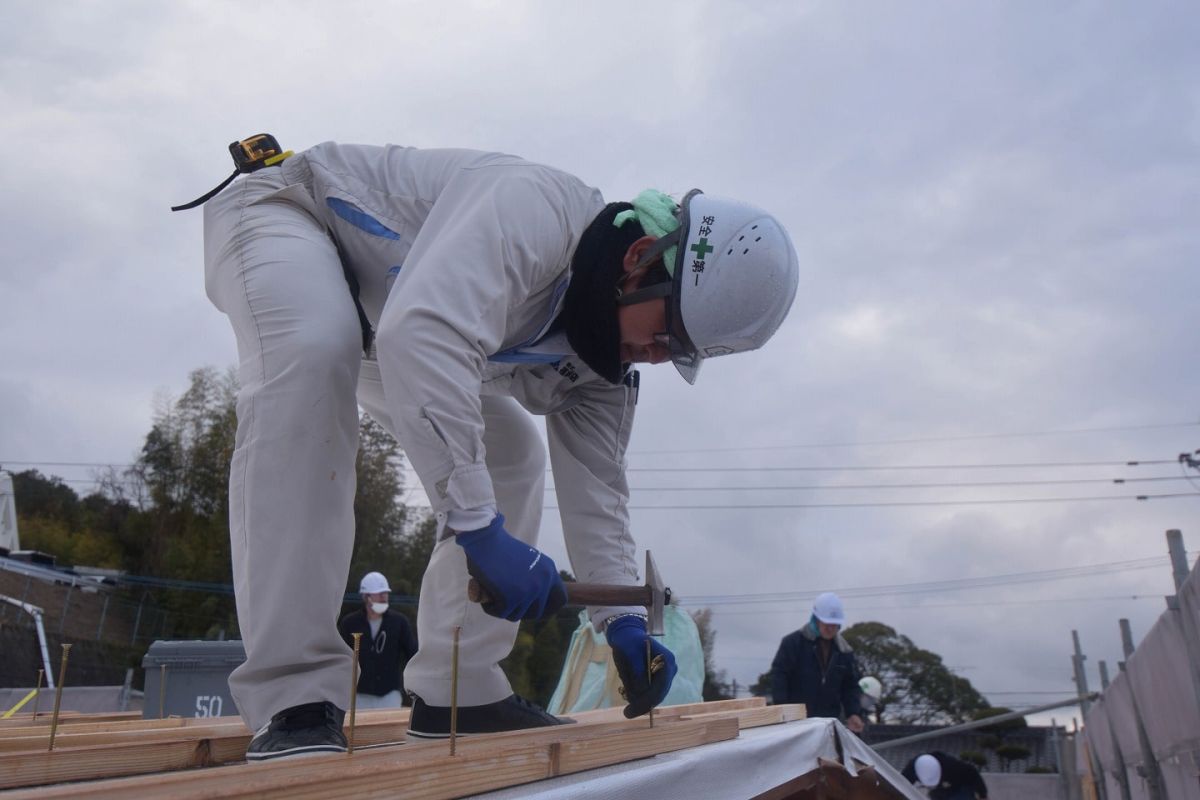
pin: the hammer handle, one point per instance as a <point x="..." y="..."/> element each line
<point x="586" y="594"/>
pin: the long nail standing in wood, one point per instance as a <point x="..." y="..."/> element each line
<point x="649" y="676"/>
<point x="37" y="698"/>
<point x="353" y="691"/>
<point x="62" y="676"/>
<point x="454" y="691"/>
<point x="162" y="691"/>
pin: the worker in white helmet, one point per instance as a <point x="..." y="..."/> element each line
<point x="452" y="294"/>
<point x="816" y="666"/>
<point x="872" y="693"/>
<point x="385" y="646"/>
<point x="946" y="777"/>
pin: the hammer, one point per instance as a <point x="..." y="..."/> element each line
<point x="654" y="595"/>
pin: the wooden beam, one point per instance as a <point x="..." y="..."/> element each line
<point x="170" y="745"/>
<point x="671" y="712"/>
<point x="65" y="717"/>
<point x="109" y="755"/>
<point x="757" y="717"/>
<point x="421" y="772"/>
<point x="397" y="715"/>
<point x="85" y="734"/>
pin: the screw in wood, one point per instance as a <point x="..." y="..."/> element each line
<point x="37" y="698"/>
<point x="649" y="675"/>
<point x="62" y="676"/>
<point x="454" y="691"/>
<point x="353" y="691"/>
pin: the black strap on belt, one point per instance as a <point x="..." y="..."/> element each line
<point x="249" y="155"/>
<point x="204" y="198"/>
<point x="263" y="150"/>
<point x="368" y="333"/>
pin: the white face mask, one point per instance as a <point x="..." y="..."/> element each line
<point x="379" y="608"/>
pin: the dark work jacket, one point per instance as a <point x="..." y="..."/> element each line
<point x="796" y="676"/>
<point x="381" y="660"/>
<point x="957" y="775"/>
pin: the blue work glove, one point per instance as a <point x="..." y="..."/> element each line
<point x="627" y="637"/>
<point x="518" y="581"/>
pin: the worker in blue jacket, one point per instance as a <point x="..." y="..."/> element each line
<point x="816" y="666"/>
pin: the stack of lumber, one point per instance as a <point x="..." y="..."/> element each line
<point x="205" y="757"/>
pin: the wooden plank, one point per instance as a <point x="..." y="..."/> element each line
<point x="757" y="717"/>
<point x="591" y="753"/>
<point x="34" y="768"/>
<point x="421" y="772"/>
<point x="25" y="762"/>
<point x="107" y="755"/>
<point x="672" y="712"/>
<point x="172" y="729"/>
<point x="62" y="741"/>
<point x="397" y="715"/>
<point x="65" y="717"/>
<point x="148" y="755"/>
<point x="126" y="725"/>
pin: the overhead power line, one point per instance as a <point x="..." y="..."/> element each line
<point x="935" y="485"/>
<point x="788" y="607"/>
<point x="800" y="468"/>
<point x="904" y="503"/>
<point x="931" y="587"/>
<point x="887" y="467"/>
<point x="883" y="590"/>
<point x="921" y="440"/>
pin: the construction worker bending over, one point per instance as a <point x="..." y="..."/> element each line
<point x="386" y="645"/>
<point x="946" y="777"/>
<point x="452" y="293"/>
<point x="816" y="666"/>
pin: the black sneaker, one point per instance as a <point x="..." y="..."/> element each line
<point x="510" y="714"/>
<point x="306" y="730"/>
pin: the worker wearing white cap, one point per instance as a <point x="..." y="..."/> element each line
<point x="946" y="777"/>
<point x="816" y="666"/>
<point x="385" y="647"/>
<point x="452" y="294"/>
<point x="872" y="693"/>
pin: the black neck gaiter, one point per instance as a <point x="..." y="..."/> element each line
<point x="590" y="308"/>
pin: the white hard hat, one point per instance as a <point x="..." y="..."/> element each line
<point x="929" y="770"/>
<point x="733" y="279"/>
<point x="828" y="609"/>
<point x="871" y="687"/>
<point x="372" y="583"/>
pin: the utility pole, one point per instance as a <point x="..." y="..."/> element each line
<point x="1187" y="621"/>
<point x="1149" y="767"/>
<point x="1081" y="687"/>
<point x="1126" y="641"/>
<point x="1122" y="772"/>
<point x="1179" y="563"/>
<point x="1085" y="704"/>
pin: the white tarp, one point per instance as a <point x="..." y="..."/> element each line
<point x="758" y="760"/>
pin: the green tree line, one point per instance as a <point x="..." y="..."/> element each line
<point x="918" y="688"/>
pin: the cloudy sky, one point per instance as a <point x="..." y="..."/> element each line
<point x="993" y="203"/>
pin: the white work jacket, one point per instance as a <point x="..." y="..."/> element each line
<point x="462" y="260"/>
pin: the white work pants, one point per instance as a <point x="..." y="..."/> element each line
<point x="272" y="269"/>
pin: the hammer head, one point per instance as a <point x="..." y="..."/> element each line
<point x="660" y="596"/>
